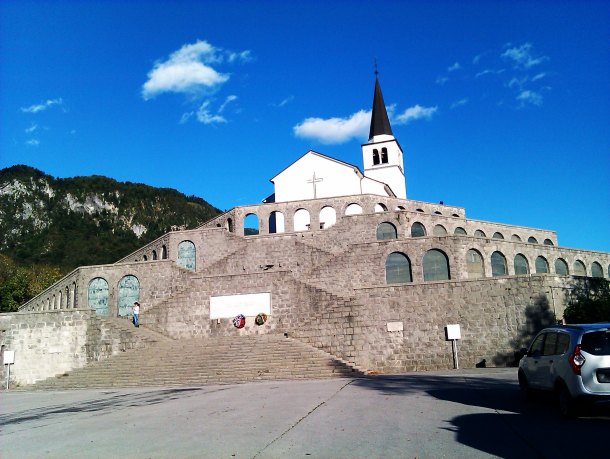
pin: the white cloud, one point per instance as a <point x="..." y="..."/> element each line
<point x="287" y="100"/>
<point x="204" y="116"/>
<point x="521" y="56"/>
<point x="42" y="106"/>
<point x="32" y="142"/>
<point x="335" y="130"/>
<point x="228" y="100"/>
<point x="244" y="56"/>
<point x="189" y="70"/>
<point x="441" y="80"/>
<point x="529" y="97"/>
<point x="538" y="76"/>
<point x="415" y="113"/>
<point x="31" y="129"/>
<point x="460" y="103"/>
<point x="454" y="67"/>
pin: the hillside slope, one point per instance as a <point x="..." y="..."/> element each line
<point x="86" y="220"/>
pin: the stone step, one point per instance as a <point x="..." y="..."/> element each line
<point x="207" y="361"/>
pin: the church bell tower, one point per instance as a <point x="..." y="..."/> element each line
<point x="381" y="155"/>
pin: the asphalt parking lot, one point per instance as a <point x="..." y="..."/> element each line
<point x="465" y="414"/>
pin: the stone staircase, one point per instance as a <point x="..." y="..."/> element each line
<point x="217" y="360"/>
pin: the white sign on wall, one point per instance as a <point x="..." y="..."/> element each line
<point x="453" y="332"/>
<point x="9" y="357"/>
<point x="251" y="304"/>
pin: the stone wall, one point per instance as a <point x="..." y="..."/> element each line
<point x="46" y="343"/>
<point x="328" y="286"/>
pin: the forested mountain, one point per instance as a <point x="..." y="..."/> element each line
<point x="65" y="223"/>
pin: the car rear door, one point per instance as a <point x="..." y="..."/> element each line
<point x="595" y="346"/>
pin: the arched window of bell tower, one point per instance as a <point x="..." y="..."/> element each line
<point x="375" y="157"/>
<point x="384" y="155"/>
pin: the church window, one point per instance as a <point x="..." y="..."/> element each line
<point x="164" y="253"/>
<point x="498" y="235"/>
<point x="129" y="292"/>
<point x="386" y="231"/>
<point x="154" y="254"/>
<point x="97" y="296"/>
<point x="276" y="222"/>
<point x="498" y="264"/>
<point x="596" y="270"/>
<point x="579" y="268"/>
<point x="59" y="300"/>
<point x="474" y="264"/>
<point x="455" y="215"/>
<point x="420" y="210"/>
<point x="353" y="209"/>
<point x="230" y="225"/>
<point x="532" y="240"/>
<point x="384" y="155"/>
<point x="67" y="297"/>
<point x="515" y="238"/>
<point x="400" y="208"/>
<point x="302" y="220"/>
<point x="187" y="255"/>
<point x="542" y="266"/>
<point x="328" y="217"/>
<point x="436" y="265"/>
<point x="561" y="267"/>
<point x="548" y="242"/>
<point x="439" y="230"/>
<point x="379" y="207"/>
<point x="375" y="157"/>
<point x="521" y="265"/>
<point x="460" y="230"/>
<point x="397" y="269"/>
<point x="251" y="225"/>
<point x="479" y="233"/>
<point x="436" y="212"/>
<point x="145" y="258"/>
<point x="418" y="230"/>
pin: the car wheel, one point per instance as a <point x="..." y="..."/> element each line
<point x="567" y="405"/>
<point x="524" y="387"/>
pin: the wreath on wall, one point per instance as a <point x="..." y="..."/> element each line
<point x="260" y="319"/>
<point x="239" y="321"/>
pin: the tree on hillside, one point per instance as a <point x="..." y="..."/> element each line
<point x="19" y="284"/>
<point x="589" y="301"/>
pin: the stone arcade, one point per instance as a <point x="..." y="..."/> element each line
<point x="340" y="260"/>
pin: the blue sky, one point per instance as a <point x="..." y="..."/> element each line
<point x="501" y="107"/>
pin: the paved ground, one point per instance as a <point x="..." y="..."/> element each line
<point x="424" y="415"/>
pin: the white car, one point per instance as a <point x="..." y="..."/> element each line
<point x="571" y="361"/>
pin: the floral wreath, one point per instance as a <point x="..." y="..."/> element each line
<point x="260" y="319"/>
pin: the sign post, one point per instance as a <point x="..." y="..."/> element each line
<point x="453" y="333"/>
<point x="9" y="359"/>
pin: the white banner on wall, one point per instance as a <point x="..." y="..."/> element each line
<point x="251" y="304"/>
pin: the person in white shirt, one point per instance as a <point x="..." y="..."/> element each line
<point x="136" y="314"/>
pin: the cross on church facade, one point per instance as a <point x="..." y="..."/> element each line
<point x="313" y="181"/>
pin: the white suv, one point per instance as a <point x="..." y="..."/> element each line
<point x="573" y="361"/>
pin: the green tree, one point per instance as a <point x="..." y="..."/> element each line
<point x="589" y="301"/>
<point x="19" y="284"/>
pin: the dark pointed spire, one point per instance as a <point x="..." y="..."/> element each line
<point x="380" y="123"/>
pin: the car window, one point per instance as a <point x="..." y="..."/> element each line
<point x="596" y="342"/>
<point x="550" y="344"/>
<point x="563" y="343"/>
<point x="536" y="346"/>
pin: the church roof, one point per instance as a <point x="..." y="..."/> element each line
<point x="380" y="123"/>
<point x="315" y="153"/>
